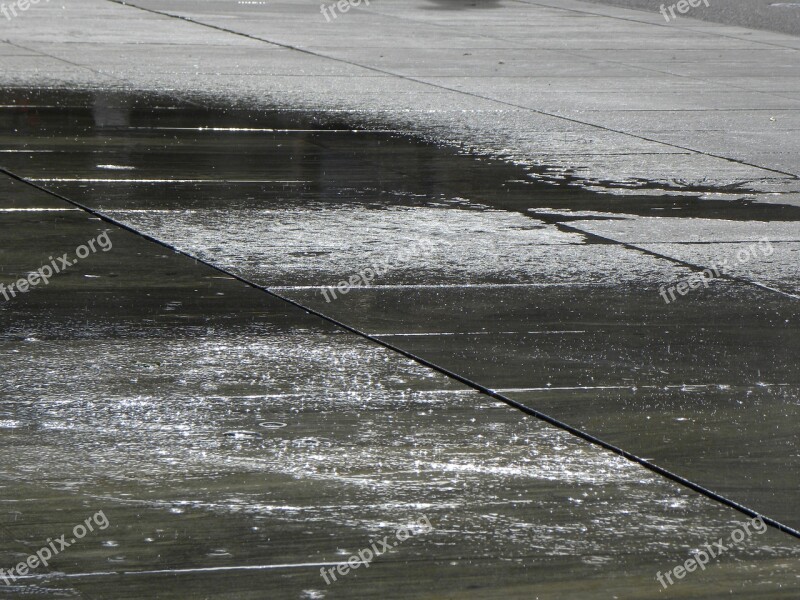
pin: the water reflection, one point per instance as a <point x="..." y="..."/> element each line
<point x="235" y="441"/>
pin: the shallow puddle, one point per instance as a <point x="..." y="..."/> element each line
<point x="239" y="445"/>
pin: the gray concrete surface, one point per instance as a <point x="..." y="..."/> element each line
<point x="128" y="375"/>
<point x="641" y="151"/>
<point x="148" y="361"/>
<point x="561" y="86"/>
<point x="772" y="15"/>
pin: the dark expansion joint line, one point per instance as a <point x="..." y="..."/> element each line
<point x="439" y="86"/>
<point x="674" y="477"/>
<point x="597" y="238"/>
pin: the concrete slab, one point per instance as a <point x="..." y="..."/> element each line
<point x="484" y="299"/>
<point x="423" y="26"/>
<point x="142" y="382"/>
<point x="260" y="476"/>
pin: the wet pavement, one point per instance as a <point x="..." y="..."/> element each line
<point x="758" y="14"/>
<point x="603" y="96"/>
<point x="238" y="444"/>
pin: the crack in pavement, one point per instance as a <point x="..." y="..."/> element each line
<point x="579" y="433"/>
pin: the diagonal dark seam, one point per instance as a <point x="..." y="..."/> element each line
<point x="451" y="90"/>
<point x="579" y="433"/>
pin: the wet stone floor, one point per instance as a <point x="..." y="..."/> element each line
<point x="238" y="446"/>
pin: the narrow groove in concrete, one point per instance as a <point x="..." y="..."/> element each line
<point x="457" y="91"/>
<point x="629" y="246"/>
<point x="665" y="473"/>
